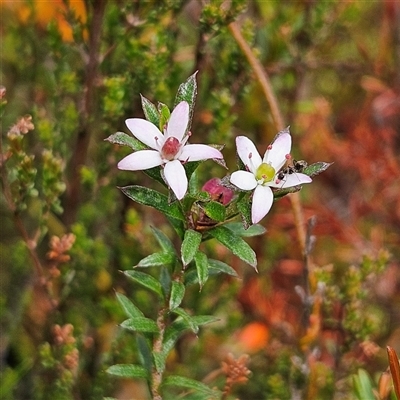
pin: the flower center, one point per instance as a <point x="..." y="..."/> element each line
<point x="265" y="173"/>
<point x="170" y="148"/>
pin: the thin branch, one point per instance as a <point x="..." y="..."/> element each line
<point x="266" y="86"/>
<point x="83" y="139"/>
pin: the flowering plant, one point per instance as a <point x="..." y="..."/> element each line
<point x="160" y="149"/>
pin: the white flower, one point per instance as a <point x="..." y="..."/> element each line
<point x="169" y="148"/>
<point x="262" y="174"/>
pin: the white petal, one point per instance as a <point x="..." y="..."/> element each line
<point x="292" y="180"/>
<point x="178" y="121"/>
<point x="175" y="176"/>
<point x="262" y="203"/>
<point x="197" y="152"/>
<point x="243" y="180"/>
<point x="146" y="132"/>
<point x="140" y="160"/>
<point x="280" y="148"/>
<point x="245" y="148"/>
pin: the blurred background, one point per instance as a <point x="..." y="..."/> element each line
<point x="73" y="71"/>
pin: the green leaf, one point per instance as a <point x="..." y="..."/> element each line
<point x="165" y="281"/>
<point x="140" y="324"/>
<point x="244" y="207"/>
<point x="220" y="266"/>
<point x="363" y="386"/>
<point x="190" y="245"/>
<point x="215" y="211"/>
<point x="187" y="318"/>
<point x="187" y="91"/>
<point x="238" y="229"/>
<point x="178" y="225"/>
<point x="150" y="111"/>
<point x="144" y="352"/>
<point x="164" y="115"/>
<point x="202" y="267"/>
<point x="123" y="139"/>
<point x="157" y="260"/>
<point x="180" y="381"/>
<point x="283" y="192"/>
<point x="154" y="199"/>
<point x="129" y="308"/>
<point x="128" y="371"/>
<point x="317" y="168"/>
<point x="145" y="280"/>
<point x="163" y="241"/>
<point x="177" y="293"/>
<point x="204" y="319"/>
<point x="176" y="329"/>
<point x="159" y="361"/>
<point x="235" y="244"/>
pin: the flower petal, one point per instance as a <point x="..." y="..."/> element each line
<point x="280" y="148"/>
<point x="243" y="180"/>
<point x="146" y="132"/>
<point x="197" y="152"/>
<point x="140" y="160"/>
<point x="175" y="176"/>
<point x="245" y="148"/>
<point x="178" y="121"/>
<point x="262" y="203"/>
<point x="294" y="179"/>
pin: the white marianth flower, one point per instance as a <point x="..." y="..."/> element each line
<point x="262" y="173"/>
<point x="169" y="149"/>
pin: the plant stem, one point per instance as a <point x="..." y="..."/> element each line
<point x="157" y="349"/>
<point x="266" y="87"/>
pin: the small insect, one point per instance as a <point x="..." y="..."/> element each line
<point x="297" y="167"/>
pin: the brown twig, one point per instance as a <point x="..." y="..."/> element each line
<point x="266" y="86"/>
<point x="83" y="139"/>
<point x="157" y="349"/>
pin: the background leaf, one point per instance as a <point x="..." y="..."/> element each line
<point x="235" y="244"/>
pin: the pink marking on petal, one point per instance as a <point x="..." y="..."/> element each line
<point x="288" y="156"/>
<point x="269" y="147"/>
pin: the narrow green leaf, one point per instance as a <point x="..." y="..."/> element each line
<point x="163" y="241"/>
<point x="180" y="381"/>
<point x="187" y="91"/>
<point x="140" y="324"/>
<point x="317" y="168"/>
<point x="164" y="115"/>
<point x="190" y="245"/>
<point x="238" y="229"/>
<point x="165" y="280"/>
<point x="204" y="319"/>
<point x="235" y="244"/>
<point x="244" y="207"/>
<point x="159" y="362"/>
<point x="220" y="266"/>
<point x="154" y="199"/>
<point x="128" y="371"/>
<point x="150" y="111"/>
<point x="172" y="334"/>
<point x="177" y="293"/>
<point x="363" y="386"/>
<point x="123" y="139"/>
<point x="157" y="260"/>
<point x="129" y="308"/>
<point x="145" y="280"/>
<point x="144" y="350"/>
<point x="187" y="318"/>
<point x="178" y="225"/>
<point x="215" y="211"/>
<point x="202" y="267"/>
<point x="283" y="192"/>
